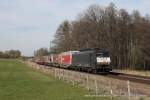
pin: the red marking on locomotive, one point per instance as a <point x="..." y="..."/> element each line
<point x="66" y="59"/>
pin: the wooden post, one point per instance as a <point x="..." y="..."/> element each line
<point x="72" y="79"/>
<point x="87" y="82"/>
<point x="111" y="92"/>
<point x="128" y="84"/>
<point x="67" y="76"/>
<point x="63" y="74"/>
<point x="96" y="88"/>
<point x="79" y="78"/>
<point x="55" y="72"/>
<point x="59" y="74"/>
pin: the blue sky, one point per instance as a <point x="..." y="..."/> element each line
<point x="30" y="24"/>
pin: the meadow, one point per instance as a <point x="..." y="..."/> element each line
<point x="20" y="82"/>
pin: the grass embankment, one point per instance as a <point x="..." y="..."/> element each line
<point x="19" y="82"/>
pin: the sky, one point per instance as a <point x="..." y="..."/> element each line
<point x="27" y="25"/>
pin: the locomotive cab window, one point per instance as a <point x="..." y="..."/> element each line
<point x="102" y="55"/>
<point x="103" y="58"/>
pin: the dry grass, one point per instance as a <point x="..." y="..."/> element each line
<point x="134" y="72"/>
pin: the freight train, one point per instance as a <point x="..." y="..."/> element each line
<point x="91" y="60"/>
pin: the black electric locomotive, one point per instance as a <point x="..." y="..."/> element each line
<point x="92" y="60"/>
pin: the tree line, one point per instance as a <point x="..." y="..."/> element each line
<point x="126" y="35"/>
<point x="10" y="54"/>
<point x="41" y="52"/>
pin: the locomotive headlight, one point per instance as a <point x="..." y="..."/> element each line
<point x="103" y="60"/>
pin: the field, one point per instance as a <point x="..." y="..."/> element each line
<point x="20" y="82"/>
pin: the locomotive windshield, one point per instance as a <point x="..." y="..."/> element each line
<point x="103" y="58"/>
<point x="106" y="54"/>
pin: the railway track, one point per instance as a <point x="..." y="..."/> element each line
<point x="130" y="77"/>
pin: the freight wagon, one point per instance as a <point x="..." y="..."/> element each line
<point x="55" y="60"/>
<point x="66" y="58"/>
<point x="40" y="60"/>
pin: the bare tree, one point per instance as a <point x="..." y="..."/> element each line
<point x="41" y="52"/>
<point x="125" y="35"/>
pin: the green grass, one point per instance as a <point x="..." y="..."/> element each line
<point x="20" y="82"/>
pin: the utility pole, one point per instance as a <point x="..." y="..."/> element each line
<point x="50" y="46"/>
